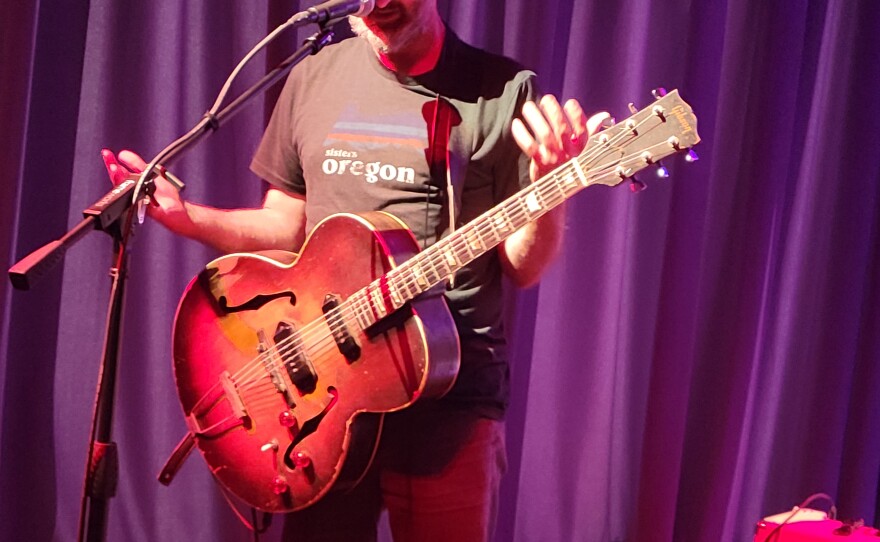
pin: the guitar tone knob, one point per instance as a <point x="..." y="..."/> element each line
<point x="287" y="419"/>
<point x="280" y="485"/>
<point x="302" y="460"/>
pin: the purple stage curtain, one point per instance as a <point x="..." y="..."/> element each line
<point x="703" y="353"/>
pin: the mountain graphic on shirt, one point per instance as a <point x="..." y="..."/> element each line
<point x="355" y="131"/>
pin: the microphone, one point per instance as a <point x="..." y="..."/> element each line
<point x="334" y="9"/>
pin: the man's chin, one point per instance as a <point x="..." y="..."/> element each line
<point x="360" y="28"/>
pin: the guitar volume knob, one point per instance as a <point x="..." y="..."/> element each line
<point x="302" y="460"/>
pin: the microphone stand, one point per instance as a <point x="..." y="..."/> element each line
<point x="114" y="214"/>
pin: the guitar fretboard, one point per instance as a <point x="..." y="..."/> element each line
<point x="610" y="157"/>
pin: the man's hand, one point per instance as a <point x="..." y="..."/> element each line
<point x="166" y="206"/>
<point x="555" y="134"/>
<point x="549" y="135"/>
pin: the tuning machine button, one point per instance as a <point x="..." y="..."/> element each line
<point x="660" y="112"/>
<point x="691" y="156"/>
<point x="636" y="185"/>
<point x="658" y="93"/>
<point x="662" y="172"/>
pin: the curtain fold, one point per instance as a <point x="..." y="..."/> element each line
<point x="703" y="353"/>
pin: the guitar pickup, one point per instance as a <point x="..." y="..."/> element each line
<point x="345" y="341"/>
<point x="299" y="368"/>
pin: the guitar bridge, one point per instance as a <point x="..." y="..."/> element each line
<point x="210" y="401"/>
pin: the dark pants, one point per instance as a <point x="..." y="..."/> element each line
<point x="437" y="473"/>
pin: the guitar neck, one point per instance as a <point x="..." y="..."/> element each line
<point x="610" y="157"/>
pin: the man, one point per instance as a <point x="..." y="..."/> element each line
<point x="412" y="121"/>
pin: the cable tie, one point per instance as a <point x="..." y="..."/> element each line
<point x="213" y="122"/>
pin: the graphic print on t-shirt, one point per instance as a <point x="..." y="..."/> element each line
<point x="387" y="148"/>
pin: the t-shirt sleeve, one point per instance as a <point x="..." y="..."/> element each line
<point x="512" y="167"/>
<point x="277" y="157"/>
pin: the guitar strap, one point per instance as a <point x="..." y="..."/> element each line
<point x="444" y="116"/>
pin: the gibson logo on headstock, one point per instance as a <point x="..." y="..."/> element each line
<point x="679" y="112"/>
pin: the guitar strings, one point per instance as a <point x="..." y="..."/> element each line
<point x="337" y="316"/>
<point x="541" y="189"/>
<point x="360" y="303"/>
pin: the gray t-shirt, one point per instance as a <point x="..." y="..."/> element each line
<point x="351" y="136"/>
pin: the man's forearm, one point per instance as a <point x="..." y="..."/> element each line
<point x="527" y="253"/>
<point x="238" y="230"/>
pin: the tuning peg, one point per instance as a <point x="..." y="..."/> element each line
<point x="636" y="185"/>
<point x="662" y="172"/>
<point x="632" y="108"/>
<point x="658" y="93"/>
<point x="691" y="156"/>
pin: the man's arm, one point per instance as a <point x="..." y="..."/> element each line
<point x="278" y="224"/>
<point x="550" y="135"/>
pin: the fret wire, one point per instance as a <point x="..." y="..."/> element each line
<point x="391" y="294"/>
<point x="469" y="243"/>
<point x="365" y="310"/>
<point x="412" y="284"/>
<point x="353" y="303"/>
<point x="413" y="280"/>
<point x="437" y="275"/>
<point x="397" y="280"/>
<point x="553" y="193"/>
<point x="419" y="273"/>
<point x="466" y="243"/>
<point x="531" y="202"/>
<point x="482" y="235"/>
<point x="460" y="244"/>
<point x="495" y="223"/>
<point x="394" y="293"/>
<point x="559" y="183"/>
<point x="378" y="301"/>
<point x="516" y="213"/>
<point x="576" y="165"/>
<point x="370" y="302"/>
<point x="438" y="260"/>
<point x="510" y="228"/>
<point x="480" y="240"/>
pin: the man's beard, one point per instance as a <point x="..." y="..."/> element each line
<point x="360" y="28"/>
<point x="401" y="36"/>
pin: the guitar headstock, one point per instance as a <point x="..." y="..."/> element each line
<point x="666" y="127"/>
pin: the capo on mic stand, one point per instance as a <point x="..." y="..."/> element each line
<point x="115" y="213"/>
